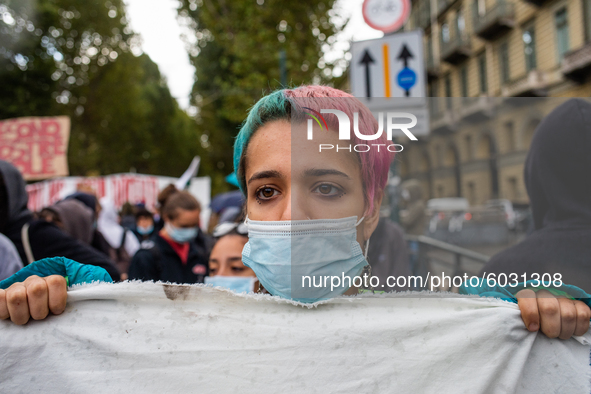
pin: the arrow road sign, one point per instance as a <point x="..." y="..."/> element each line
<point x="391" y="66"/>
<point x="406" y="77"/>
<point x="388" y="75"/>
<point x="405" y="54"/>
<point x="367" y="60"/>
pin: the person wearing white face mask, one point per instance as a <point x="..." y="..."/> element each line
<point x="315" y="210"/>
<point x="226" y="269"/>
<point x="178" y="253"/>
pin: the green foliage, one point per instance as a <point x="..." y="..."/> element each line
<point x="78" y="58"/>
<point x="235" y="48"/>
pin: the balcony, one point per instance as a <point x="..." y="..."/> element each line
<point x="576" y="64"/>
<point x="457" y="49"/>
<point x="475" y="109"/>
<point x="444" y="5"/>
<point x="495" y="21"/>
<point x="442" y="117"/>
<point x="534" y="84"/>
<point x="538" y="3"/>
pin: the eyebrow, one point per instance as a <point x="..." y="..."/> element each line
<point x="265" y="175"/>
<point x="316" y="172"/>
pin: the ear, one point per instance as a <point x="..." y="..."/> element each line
<point x="371" y="219"/>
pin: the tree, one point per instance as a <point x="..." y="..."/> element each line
<point x="80" y="58"/>
<point x="235" y="48"/>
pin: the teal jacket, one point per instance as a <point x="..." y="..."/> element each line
<point x="74" y="272"/>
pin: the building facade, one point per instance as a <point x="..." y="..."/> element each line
<point x="495" y="68"/>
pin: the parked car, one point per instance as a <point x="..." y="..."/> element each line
<point x="506" y="207"/>
<point x="451" y="209"/>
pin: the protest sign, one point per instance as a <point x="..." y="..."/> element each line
<point x="37" y="146"/>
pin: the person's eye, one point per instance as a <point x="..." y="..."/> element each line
<point x="328" y="190"/>
<point x="237" y="269"/>
<point x="266" y="193"/>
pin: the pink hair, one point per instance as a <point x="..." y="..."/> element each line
<point x="374" y="164"/>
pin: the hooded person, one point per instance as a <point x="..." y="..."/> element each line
<point x="559" y="187"/>
<point x="73" y="217"/>
<point x="413" y="217"/>
<point x="89" y="199"/>
<point x="38" y="239"/>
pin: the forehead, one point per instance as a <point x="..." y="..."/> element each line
<point x="281" y="146"/>
<point x="229" y="244"/>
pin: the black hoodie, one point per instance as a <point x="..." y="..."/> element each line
<point x="46" y="239"/>
<point x="558" y="181"/>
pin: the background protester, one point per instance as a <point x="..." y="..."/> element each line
<point x="388" y="254"/>
<point x="86" y="196"/>
<point x="123" y="242"/>
<point x="144" y="224"/>
<point x="162" y="198"/>
<point x="225" y="261"/>
<point x="225" y="207"/>
<point x="413" y="217"/>
<point x="127" y="216"/>
<point x="179" y="252"/>
<point x="72" y="217"/>
<point x="37" y="239"/>
<point x="10" y="261"/>
<point x="559" y="187"/>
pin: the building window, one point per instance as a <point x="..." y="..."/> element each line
<point x="482" y="72"/>
<point x="468" y="142"/>
<point x="460" y="23"/>
<point x="445" y="32"/>
<point x="471" y="193"/>
<point x="448" y="91"/>
<point x="464" y="80"/>
<point x="430" y="62"/>
<point x="587" y="11"/>
<point x="439" y="156"/>
<point x="529" y="47"/>
<point x="562" y="41"/>
<point x="434" y="92"/>
<point x="510" y="131"/>
<point x="504" y="61"/>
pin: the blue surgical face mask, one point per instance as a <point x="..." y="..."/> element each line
<point x="238" y="284"/>
<point x="181" y="235"/>
<point x="145" y="230"/>
<point x="284" y="254"/>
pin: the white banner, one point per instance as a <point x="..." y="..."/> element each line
<point x="120" y="188"/>
<point x="155" y="338"/>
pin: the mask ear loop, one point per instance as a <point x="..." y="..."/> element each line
<point x="367" y="268"/>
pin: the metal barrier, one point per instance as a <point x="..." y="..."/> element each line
<point x="426" y="252"/>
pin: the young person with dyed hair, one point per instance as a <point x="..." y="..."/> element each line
<point x="312" y="211"/>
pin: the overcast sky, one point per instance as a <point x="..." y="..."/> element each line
<point x="155" y="21"/>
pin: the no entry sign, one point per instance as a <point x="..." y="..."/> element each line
<point x="386" y="15"/>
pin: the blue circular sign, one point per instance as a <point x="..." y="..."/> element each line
<point x="407" y="78"/>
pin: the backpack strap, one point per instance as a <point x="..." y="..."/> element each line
<point x="27" y="243"/>
<point x="122" y="245"/>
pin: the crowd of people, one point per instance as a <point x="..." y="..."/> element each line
<point x="306" y="213"/>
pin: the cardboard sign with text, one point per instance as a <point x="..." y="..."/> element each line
<point x="37" y="146"/>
